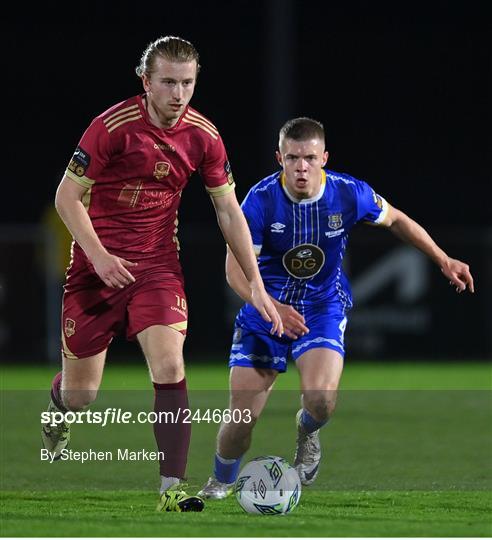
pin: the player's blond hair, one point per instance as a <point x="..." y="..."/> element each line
<point x="172" y="48"/>
<point x="302" y="129"/>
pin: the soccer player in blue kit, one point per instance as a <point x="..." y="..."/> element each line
<point x="300" y="218"/>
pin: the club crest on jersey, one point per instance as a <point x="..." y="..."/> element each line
<point x="236" y="338"/>
<point x="161" y="169"/>
<point x="69" y="327"/>
<point x="335" y="221"/>
<point x="304" y="261"/>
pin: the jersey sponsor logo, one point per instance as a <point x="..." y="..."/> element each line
<point x="335" y="221"/>
<point x="161" y="169"/>
<point x="277" y="227"/>
<point x="79" y="162"/>
<point x="228" y="171"/>
<point x="69" y="327"/>
<point x="130" y="194"/>
<point x="304" y="261"/>
<point x="331" y="234"/>
<point x="164" y="146"/>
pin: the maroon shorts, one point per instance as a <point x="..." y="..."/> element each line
<point x="92" y="313"/>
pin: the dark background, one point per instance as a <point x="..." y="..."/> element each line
<point x="403" y="90"/>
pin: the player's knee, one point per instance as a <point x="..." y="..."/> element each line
<point x="167" y="371"/>
<point x="320" y="404"/>
<point x="78" y="400"/>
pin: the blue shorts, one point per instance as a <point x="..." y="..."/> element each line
<point x="254" y="346"/>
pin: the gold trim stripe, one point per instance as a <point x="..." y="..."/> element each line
<point x="131" y="119"/>
<point x="201" y="126"/>
<point x="220" y="191"/>
<point x="183" y="325"/>
<point x="81" y="180"/>
<point x="120" y="112"/>
<point x="201" y="122"/>
<point x="203" y="119"/>
<point x="117" y="118"/>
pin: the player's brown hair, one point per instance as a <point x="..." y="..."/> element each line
<point x="172" y="48"/>
<point x="302" y="129"/>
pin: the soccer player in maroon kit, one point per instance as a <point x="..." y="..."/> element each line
<point x="119" y="198"/>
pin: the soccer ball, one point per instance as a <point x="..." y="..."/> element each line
<point x="268" y="485"/>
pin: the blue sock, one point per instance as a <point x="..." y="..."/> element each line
<point x="309" y="423"/>
<point x="226" y="470"/>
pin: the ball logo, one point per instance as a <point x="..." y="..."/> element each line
<point x="304" y="261"/>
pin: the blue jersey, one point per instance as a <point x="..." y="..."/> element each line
<point x="300" y="244"/>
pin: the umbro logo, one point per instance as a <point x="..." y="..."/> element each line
<point x="277" y="227"/>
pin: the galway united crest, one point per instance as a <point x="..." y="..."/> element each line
<point x="161" y="169"/>
<point x="69" y="327"/>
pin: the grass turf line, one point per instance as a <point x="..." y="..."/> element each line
<point x="339" y="514"/>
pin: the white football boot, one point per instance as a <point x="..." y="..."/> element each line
<point x="214" y="489"/>
<point x="308" y="453"/>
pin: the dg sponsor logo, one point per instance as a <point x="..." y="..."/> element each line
<point x="304" y="261"/>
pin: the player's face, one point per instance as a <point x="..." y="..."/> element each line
<point x="169" y="89"/>
<point x="302" y="162"/>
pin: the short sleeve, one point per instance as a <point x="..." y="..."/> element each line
<point x="216" y="170"/>
<point x="91" y="155"/>
<point x="255" y="216"/>
<point x="371" y="207"/>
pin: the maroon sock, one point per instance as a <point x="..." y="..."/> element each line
<point x="171" y="434"/>
<point x="56" y="392"/>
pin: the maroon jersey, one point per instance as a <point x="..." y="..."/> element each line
<point x="135" y="173"/>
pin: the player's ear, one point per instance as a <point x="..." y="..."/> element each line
<point x="278" y="155"/>
<point x="145" y="82"/>
<point x="326" y="155"/>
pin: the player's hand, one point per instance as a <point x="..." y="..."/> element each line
<point x="458" y="274"/>
<point x="294" y="323"/>
<point x="113" y="270"/>
<point x="263" y="303"/>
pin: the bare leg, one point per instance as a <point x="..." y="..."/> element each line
<point x="249" y="391"/>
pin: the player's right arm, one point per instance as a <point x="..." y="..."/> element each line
<point x="68" y="201"/>
<point x="292" y="320"/>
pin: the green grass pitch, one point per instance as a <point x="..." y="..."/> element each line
<point x="407" y="454"/>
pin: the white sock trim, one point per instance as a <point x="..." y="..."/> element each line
<point x="167" y="482"/>
<point x="227" y="461"/>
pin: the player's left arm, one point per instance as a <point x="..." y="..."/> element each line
<point x="408" y="230"/>
<point x="238" y="237"/>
